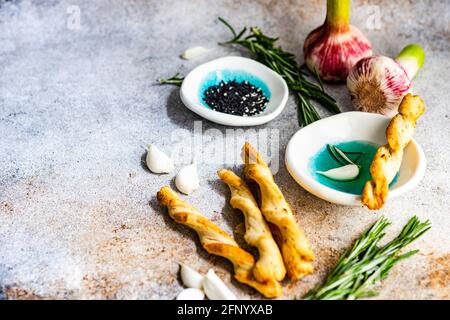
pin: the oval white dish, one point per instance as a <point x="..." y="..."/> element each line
<point x="348" y="126"/>
<point x="192" y="86"/>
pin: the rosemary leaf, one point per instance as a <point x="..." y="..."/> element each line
<point x="366" y="263"/>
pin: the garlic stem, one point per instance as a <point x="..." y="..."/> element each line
<point x="187" y="179"/>
<point x="338" y="14"/>
<point x="345" y="173"/>
<point x="411" y="58"/>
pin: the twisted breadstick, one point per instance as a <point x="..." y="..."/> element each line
<point x="270" y="264"/>
<point x="294" y="247"/>
<point x="388" y="158"/>
<point x="216" y="241"/>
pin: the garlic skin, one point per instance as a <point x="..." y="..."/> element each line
<point x="194" y="52"/>
<point x="378" y="84"/>
<point x="157" y="161"/>
<point x="191" y="294"/>
<point x="334" y="48"/>
<point x="190" y="277"/>
<point x="215" y="288"/>
<point x="187" y="179"/>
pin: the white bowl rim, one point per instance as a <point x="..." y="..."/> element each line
<point x="229" y="119"/>
<point x="329" y="194"/>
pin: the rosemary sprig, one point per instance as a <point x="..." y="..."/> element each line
<point x="284" y="63"/>
<point x="367" y="263"/>
<point x="175" y="80"/>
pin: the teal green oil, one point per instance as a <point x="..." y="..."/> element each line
<point x="215" y="77"/>
<point x="323" y="161"/>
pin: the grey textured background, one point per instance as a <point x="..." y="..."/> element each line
<point x="78" y="218"/>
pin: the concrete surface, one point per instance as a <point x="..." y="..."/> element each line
<point x="78" y="216"/>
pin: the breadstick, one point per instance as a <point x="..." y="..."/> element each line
<point x="388" y="158"/>
<point x="216" y="241"/>
<point x="270" y="263"/>
<point x="294" y="246"/>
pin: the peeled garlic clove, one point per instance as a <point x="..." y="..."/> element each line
<point x="191" y="294"/>
<point x="190" y="277"/>
<point x="215" y="288"/>
<point x="411" y="58"/>
<point x="187" y="179"/>
<point x="194" y="52"/>
<point x="345" y="173"/>
<point x="157" y="161"/>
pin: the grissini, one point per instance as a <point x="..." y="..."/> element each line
<point x="216" y="241"/>
<point x="269" y="265"/>
<point x="294" y="246"/>
<point x="388" y="157"/>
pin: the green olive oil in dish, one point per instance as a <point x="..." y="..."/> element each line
<point x="359" y="152"/>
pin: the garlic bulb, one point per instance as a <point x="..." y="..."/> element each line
<point x="194" y="52"/>
<point x="215" y="288"/>
<point x="332" y="49"/>
<point x="191" y="294"/>
<point x="378" y="84"/>
<point x="157" y="161"/>
<point x="190" y="277"/>
<point x="345" y="173"/>
<point x="187" y="179"/>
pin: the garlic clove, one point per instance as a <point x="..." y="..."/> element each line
<point x="187" y="179"/>
<point x="345" y="173"/>
<point x="157" y="161"/>
<point x="190" y="277"/>
<point x="194" y="52"/>
<point x="191" y="294"/>
<point x="215" y="288"/>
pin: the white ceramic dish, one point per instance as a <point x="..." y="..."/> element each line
<point x="348" y="126"/>
<point x="194" y="82"/>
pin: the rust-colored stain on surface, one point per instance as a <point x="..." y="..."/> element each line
<point x="17" y="293"/>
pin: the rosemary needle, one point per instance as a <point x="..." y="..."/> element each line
<point x="284" y="63"/>
<point x="175" y="80"/>
<point x="367" y="263"/>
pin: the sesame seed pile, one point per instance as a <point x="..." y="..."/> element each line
<point x="237" y="98"/>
